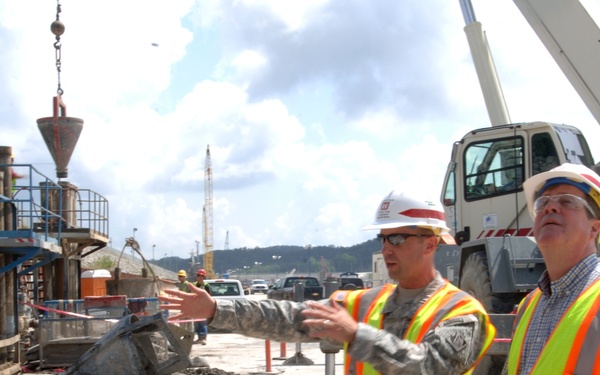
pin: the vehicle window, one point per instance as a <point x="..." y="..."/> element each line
<point x="493" y="168"/>
<point x="449" y="191"/>
<point x="307" y="282"/>
<point x="224" y="289"/>
<point x="574" y="146"/>
<point x="232" y="290"/>
<point x="543" y="152"/>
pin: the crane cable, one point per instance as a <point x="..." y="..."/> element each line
<point x="58" y="29"/>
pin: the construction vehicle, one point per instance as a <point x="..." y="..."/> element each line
<point x="495" y="257"/>
<point x="285" y="288"/>
<point x="482" y="193"/>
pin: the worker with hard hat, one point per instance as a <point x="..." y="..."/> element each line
<point x="421" y="325"/>
<point x="201" y="326"/>
<point x="183" y="285"/>
<point x="556" y="328"/>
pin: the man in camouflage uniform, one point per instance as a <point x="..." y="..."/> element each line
<point x="423" y="325"/>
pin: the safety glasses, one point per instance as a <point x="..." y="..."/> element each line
<point x="397" y="239"/>
<point x="566" y="201"/>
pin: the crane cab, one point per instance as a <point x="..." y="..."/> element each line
<point x="496" y="258"/>
<point x="483" y="194"/>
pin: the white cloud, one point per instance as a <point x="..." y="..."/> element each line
<point x="313" y="110"/>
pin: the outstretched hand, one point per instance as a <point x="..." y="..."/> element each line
<point x="330" y="322"/>
<point x="196" y="304"/>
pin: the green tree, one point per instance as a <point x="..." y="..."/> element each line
<point x="104" y="262"/>
<point x="348" y="262"/>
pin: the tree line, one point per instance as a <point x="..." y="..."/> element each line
<point x="283" y="259"/>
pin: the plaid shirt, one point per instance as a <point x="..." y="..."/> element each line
<point x="556" y="298"/>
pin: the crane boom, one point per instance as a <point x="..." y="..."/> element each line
<point x="485" y="67"/>
<point x="208" y="217"/>
<point x="572" y="37"/>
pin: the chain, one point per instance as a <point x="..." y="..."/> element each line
<point x="58" y="28"/>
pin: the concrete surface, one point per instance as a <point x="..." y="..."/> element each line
<point x="243" y="355"/>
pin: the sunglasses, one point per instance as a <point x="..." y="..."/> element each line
<point x="566" y="201"/>
<point x="397" y="239"/>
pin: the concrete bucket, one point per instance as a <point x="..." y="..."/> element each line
<point x="61" y="134"/>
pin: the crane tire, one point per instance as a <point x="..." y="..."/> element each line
<point x="475" y="280"/>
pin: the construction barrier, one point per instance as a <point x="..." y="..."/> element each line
<point x="268" y="355"/>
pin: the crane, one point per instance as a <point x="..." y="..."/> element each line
<point x="484" y="204"/>
<point x="208" y="217"/>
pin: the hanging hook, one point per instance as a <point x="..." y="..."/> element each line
<point x="58" y="29"/>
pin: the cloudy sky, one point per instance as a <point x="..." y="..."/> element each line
<point x="313" y="110"/>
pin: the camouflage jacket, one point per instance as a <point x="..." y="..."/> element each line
<point x="451" y="348"/>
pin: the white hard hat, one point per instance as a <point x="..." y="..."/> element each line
<point x="398" y="209"/>
<point x="576" y="175"/>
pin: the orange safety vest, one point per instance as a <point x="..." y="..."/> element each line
<point x="574" y="330"/>
<point x="446" y="303"/>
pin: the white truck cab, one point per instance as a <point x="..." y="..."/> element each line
<point x="226" y="289"/>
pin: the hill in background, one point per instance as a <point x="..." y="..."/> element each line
<point x="245" y="262"/>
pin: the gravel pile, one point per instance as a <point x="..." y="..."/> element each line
<point x="126" y="263"/>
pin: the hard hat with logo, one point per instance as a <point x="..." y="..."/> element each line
<point x="576" y="175"/>
<point x="182" y="273"/>
<point x="399" y="209"/>
<point x="201" y="272"/>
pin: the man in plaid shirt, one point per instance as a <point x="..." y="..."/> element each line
<point x="556" y="329"/>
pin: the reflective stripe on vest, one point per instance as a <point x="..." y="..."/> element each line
<point x="574" y="330"/>
<point x="446" y="303"/>
<point x="449" y="302"/>
<point x="352" y="301"/>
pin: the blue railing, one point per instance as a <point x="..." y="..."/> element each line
<point x="40" y="206"/>
<point x="92" y="211"/>
<point x="31" y="204"/>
